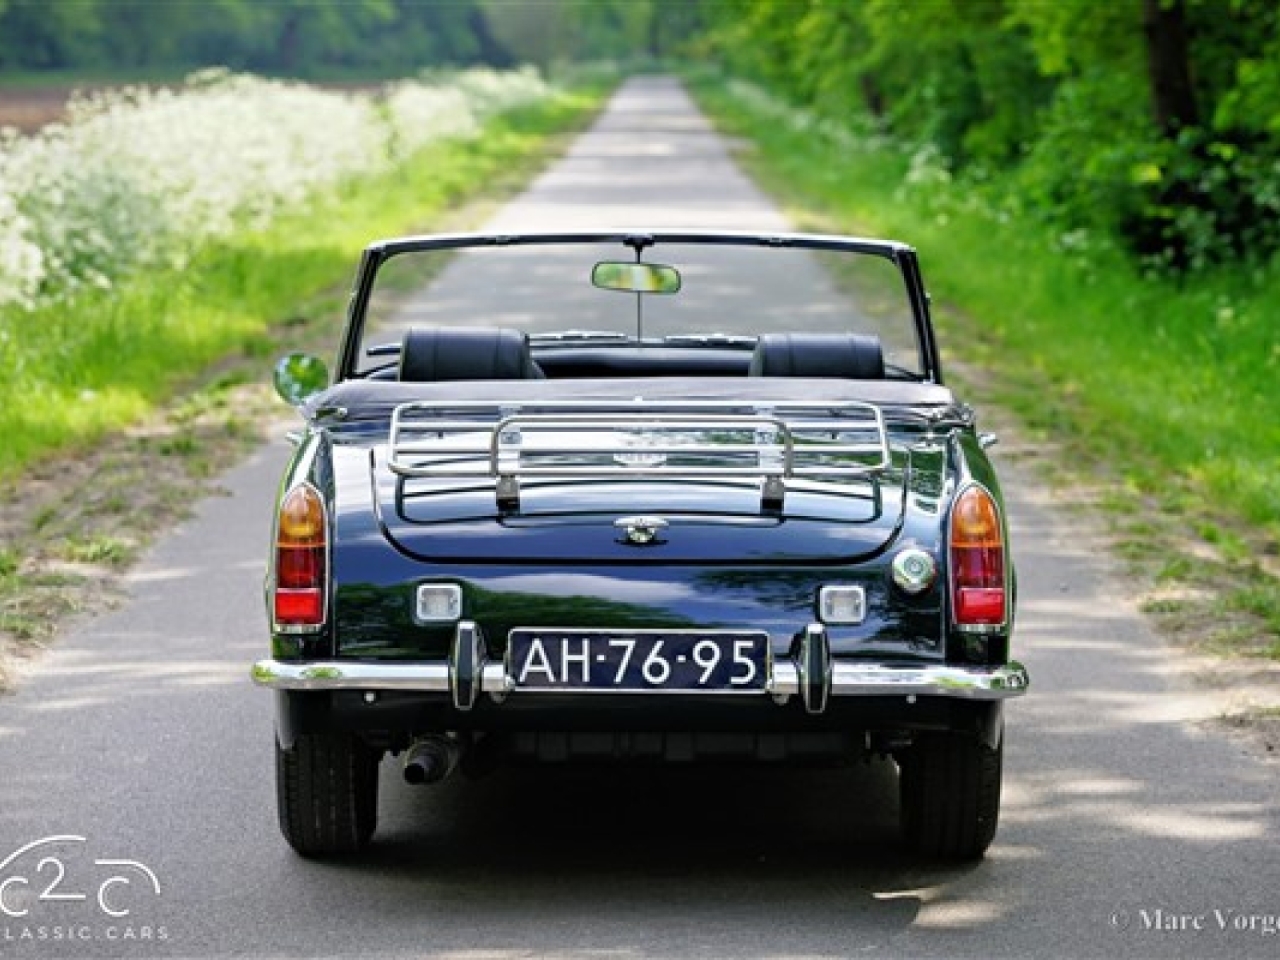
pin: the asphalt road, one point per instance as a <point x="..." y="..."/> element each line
<point x="1127" y="831"/>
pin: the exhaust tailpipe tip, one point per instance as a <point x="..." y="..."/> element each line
<point x="430" y="760"/>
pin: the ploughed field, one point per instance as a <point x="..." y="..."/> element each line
<point x="29" y="109"/>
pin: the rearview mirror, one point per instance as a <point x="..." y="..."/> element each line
<point x="298" y="377"/>
<point x="635" y="277"/>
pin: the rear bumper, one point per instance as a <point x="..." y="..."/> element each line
<point x="812" y="675"/>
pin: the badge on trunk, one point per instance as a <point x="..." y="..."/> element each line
<point x="641" y="531"/>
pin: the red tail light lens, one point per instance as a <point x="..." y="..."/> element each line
<point x="977" y="560"/>
<point x="301" y="559"/>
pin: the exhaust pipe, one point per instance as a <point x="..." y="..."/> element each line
<point x="431" y="759"/>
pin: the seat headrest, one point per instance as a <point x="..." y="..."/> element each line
<point x="850" y="356"/>
<point x="465" y="353"/>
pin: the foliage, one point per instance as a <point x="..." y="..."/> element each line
<point x="327" y="38"/>
<point x="1153" y="121"/>
<point x="284" y="37"/>
<point x="553" y="32"/>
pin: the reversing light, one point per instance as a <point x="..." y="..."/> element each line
<point x="301" y="571"/>
<point x="842" y="605"/>
<point x="439" y="602"/>
<point x="977" y="560"/>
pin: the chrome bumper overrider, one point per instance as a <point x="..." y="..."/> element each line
<point x="813" y="675"/>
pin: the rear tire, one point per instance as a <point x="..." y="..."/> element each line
<point x="327" y="794"/>
<point x="949" y="785"/>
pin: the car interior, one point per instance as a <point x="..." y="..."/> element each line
<point x="469" y="353"/>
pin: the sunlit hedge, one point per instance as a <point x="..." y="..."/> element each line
<point x="146" y="176"/>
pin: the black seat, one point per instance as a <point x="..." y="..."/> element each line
<point x="852" y="356"/>
<point x="466" y="353"/>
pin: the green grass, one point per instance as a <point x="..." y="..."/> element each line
<point x="74" y="374"/>
<point x="106" y="550"/>
<point x="1163" y="391"/>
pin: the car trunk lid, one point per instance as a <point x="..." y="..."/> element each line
<point x="702" y="520"/>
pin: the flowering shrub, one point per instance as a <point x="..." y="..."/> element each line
<point x="21" y="264"/>
<point x="451" y="105"/>
<point x="145" y="177"/>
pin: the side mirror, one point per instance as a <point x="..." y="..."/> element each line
<point x="298" y="377"/>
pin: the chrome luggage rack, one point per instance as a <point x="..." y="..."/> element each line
<point x="830" y="444"/>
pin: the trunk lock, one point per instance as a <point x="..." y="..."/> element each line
<point x="641" y="531"/>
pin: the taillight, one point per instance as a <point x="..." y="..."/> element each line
<point x="301" y="559"/>
<point x="977" y="560"/>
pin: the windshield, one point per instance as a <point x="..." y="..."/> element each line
<point x="696" y="295"/>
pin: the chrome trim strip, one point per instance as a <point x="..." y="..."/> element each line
<point x="784" y="681"/>
<point x="495" y="682"/>
<point x="984" y="683"/>
<point x="847" y="679"/>
<point x="345" y="675"/>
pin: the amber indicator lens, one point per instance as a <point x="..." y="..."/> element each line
<point x="302" y="519"/>
<point x="974" y="520"/>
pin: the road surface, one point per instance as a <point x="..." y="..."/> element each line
<point x="137" y="809"/>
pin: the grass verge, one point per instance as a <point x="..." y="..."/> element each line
<point x="1159" y="394"/>
<point x="121" y="410"/>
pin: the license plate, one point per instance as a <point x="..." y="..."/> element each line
<point x="638" y="662"/>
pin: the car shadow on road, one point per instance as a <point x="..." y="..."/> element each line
<point x="597" y="815"/>
<point x="660" y="860"/>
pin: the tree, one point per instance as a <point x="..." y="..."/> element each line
<point x="291" y="37"/>
<point x="37" y="35"/>
<point x="1173" y="98"/>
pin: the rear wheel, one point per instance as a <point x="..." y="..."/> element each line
<point x="949" y="785"/>
<point x="327" y="793"/>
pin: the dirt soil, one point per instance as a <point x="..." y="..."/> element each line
<point x="27" y="110"/>
<point x="73" y="524"/>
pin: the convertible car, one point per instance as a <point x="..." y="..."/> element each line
<point x="642" y="497"/>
